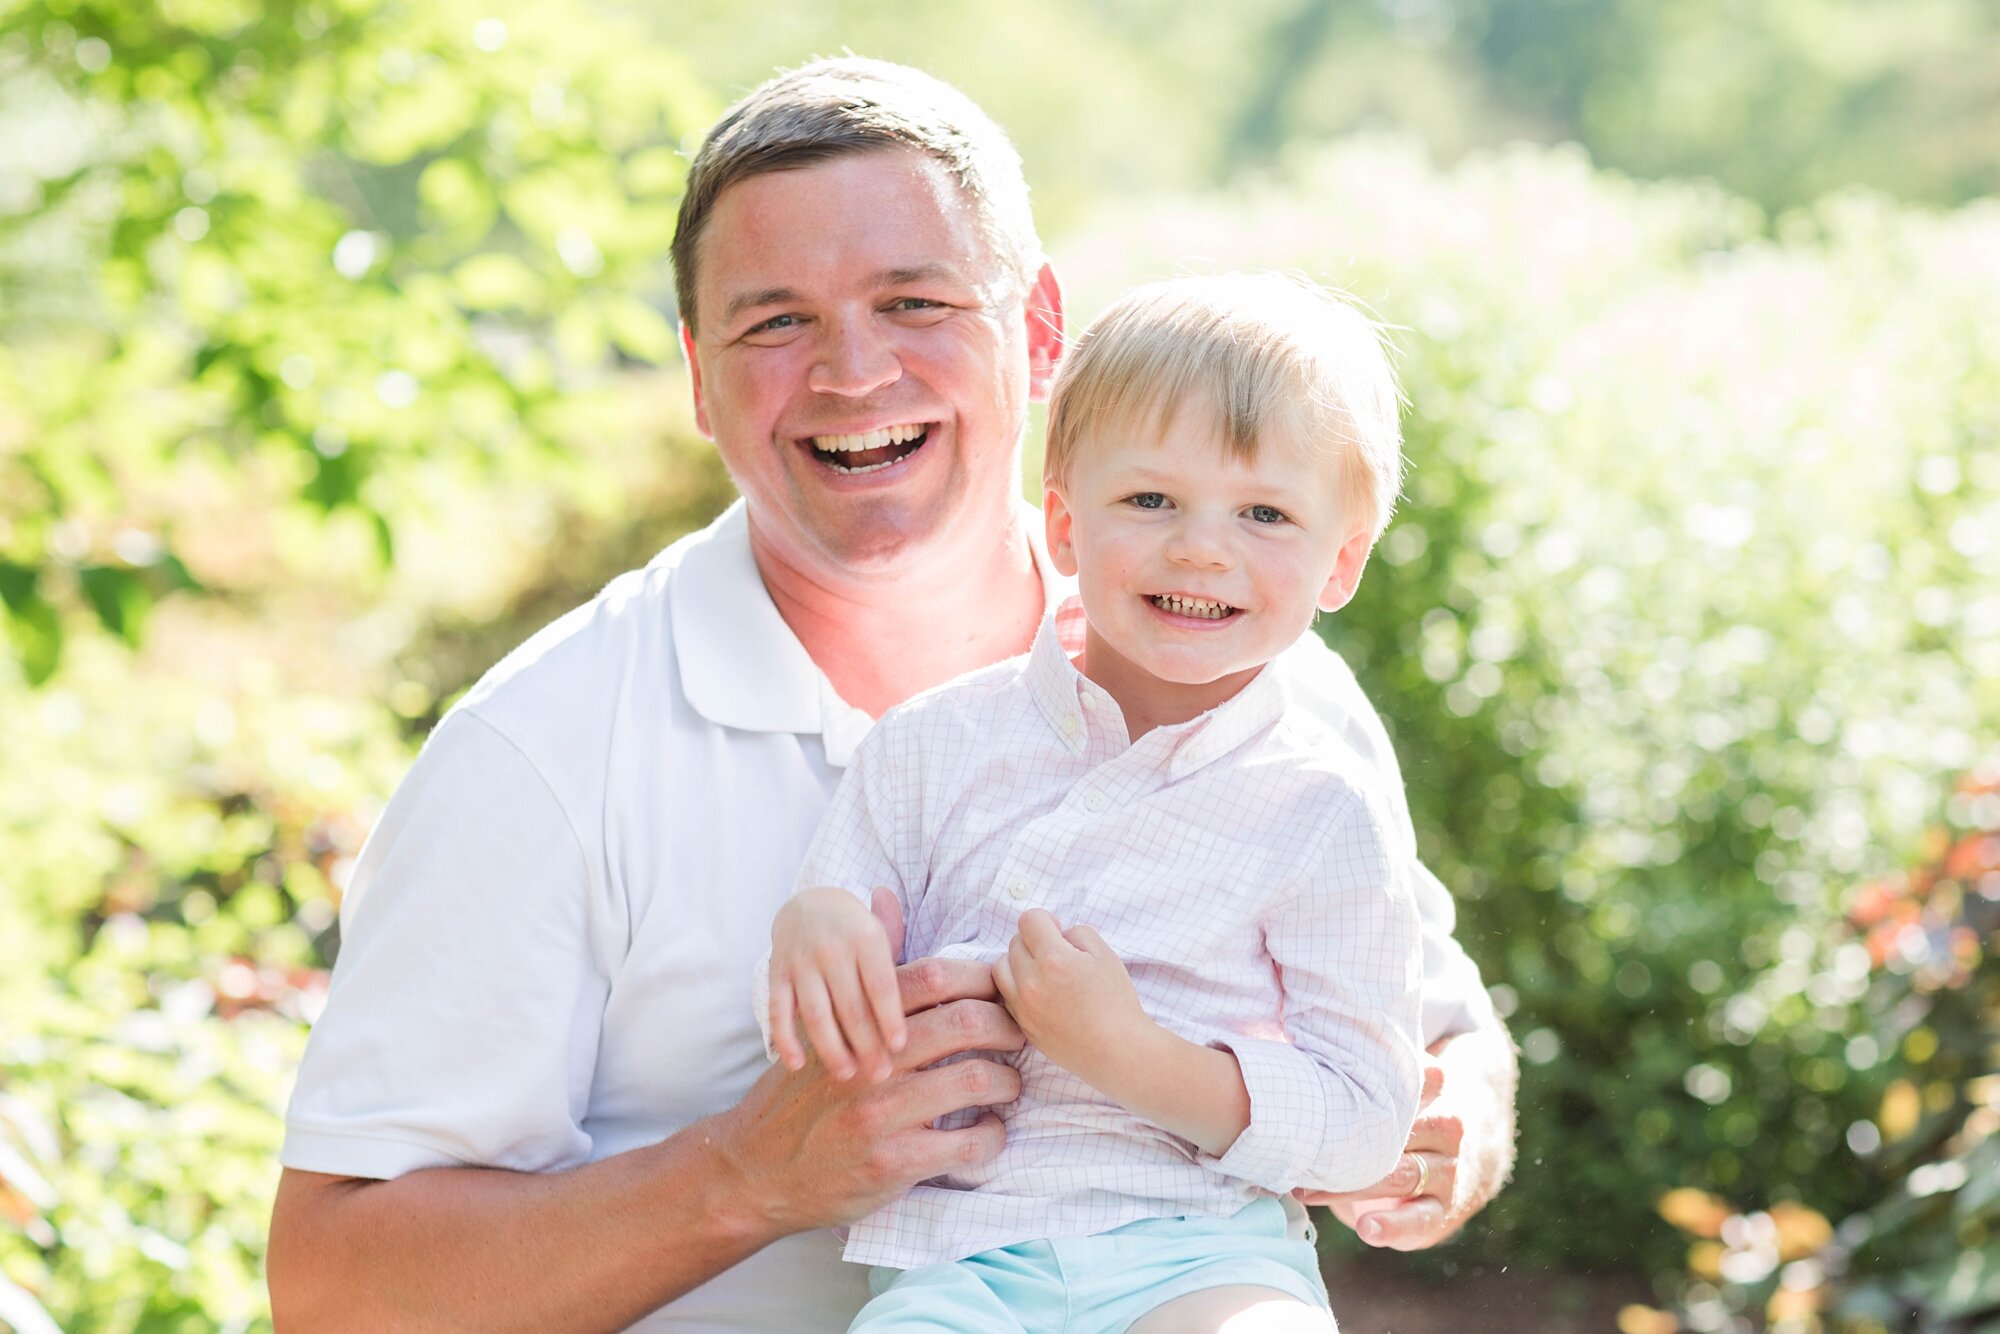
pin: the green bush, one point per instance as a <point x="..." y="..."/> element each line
<point x="1686" y="624"/>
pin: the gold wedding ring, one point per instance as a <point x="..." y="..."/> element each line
<point x="1423" y="1174"/>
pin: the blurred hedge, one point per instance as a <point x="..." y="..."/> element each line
<point x="1684" y="629"/>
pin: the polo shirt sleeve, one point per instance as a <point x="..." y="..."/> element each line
<point x="462" y="1022"/>
<point x="1332" y="1105"/>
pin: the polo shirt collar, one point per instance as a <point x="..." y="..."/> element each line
<point x="741" y="665"/>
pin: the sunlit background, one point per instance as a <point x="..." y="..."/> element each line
<point x="337" y="355"/>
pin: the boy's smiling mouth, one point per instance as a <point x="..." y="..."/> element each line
<point x="870" y="451"/>
<point x="1201" y="609"/>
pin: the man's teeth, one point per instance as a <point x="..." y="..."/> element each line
<point x="1187" y="606"/>
<point x="882" y="439"/>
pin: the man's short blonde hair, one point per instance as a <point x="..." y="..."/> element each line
<point x="835" y="108"/>
<point x="1257" y="351"/>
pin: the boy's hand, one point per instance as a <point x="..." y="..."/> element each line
<point x="833" y="966"/>
<point x="1071" y="995"/>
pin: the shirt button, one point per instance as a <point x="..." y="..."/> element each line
<point x="1071" y="725"/>
<point x="1093" y="801"/>
<point x="1019" y="889"/>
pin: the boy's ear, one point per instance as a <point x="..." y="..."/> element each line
<point x="694" y="380"/>
<point x="1347" y="567"/>
<point x="1061" y="538"/>
<point x="1044" y="309"/>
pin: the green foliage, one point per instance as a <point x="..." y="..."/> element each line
<point x="1686" y="623"/>
<point x="312" y="243"/>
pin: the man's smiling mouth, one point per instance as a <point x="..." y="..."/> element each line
<point x="1202" y="609"/>
<point x="870" y="451"/>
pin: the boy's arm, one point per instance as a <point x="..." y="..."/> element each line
<point x="1331" y="1107"/>
<point x="831" y="965"/>
<point x="1332" y="1102"/>
<point x="1074" y="1000"/>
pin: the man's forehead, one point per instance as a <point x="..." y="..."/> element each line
<point x="872" y="219"/>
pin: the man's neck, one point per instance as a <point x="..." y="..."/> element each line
<point x="883" y="639"/>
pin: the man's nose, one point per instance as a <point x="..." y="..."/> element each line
<point x="855" y="360"/>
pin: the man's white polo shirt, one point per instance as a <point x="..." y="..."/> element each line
<point x="547" y="943"/>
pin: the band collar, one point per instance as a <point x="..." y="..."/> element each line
<point x="741" y="665"/>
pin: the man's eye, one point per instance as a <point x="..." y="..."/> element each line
<point x="1149" y="500"/>
<point x="1266" y="514"/>
<point x="776" y="324"/>
<point x="915" y="303"/>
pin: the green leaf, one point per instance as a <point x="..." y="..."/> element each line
<point x="36" y="633"/>
<point x="120" y="598"/>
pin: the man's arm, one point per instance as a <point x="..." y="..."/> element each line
<point x="599" y="1246"/>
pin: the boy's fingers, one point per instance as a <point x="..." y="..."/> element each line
<point x="857" y="1022"/>
<point x="1086" y="939"/>
<point x="1003" y="978"/>
<point x="885" y="998"/>
<point x="1039" y="931"/>
<point x="816" y="1013"/>
<point x="784" y="1032"/>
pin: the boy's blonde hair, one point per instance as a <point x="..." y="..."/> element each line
<point x="1255" y="351"/>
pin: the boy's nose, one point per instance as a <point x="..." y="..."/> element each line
<point x="855" y="360"/>
<point x="1200" y="545"/>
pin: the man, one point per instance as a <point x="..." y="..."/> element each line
<point x="537" y="1099"/>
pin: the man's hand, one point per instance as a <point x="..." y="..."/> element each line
<point x="832" y="969"/>
<point x="807" y="1150"/>
<point x="1459" y="1153"/>
<point x="1071" y="995"/>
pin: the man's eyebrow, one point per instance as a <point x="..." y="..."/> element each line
<point x="768" y="296"/>
<point x="936" y="271"/>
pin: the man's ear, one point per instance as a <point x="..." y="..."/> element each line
<point x="1347" y="567"/>
<point x="694" y="381"/>
<point x="1045" y="332"/>
<point x="1061" y="538"/>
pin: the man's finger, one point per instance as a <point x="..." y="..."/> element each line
<point x="966" y="1025"/>
<point x="941" y="1151"/>
<point x="928" y="982"/>
<point x="1433" y="1083"/>
<point x="929" y="1094"/>
<point x="888" y="910"/>
<point x="1039" y="931"/>
<point x="1411" y="1225"/>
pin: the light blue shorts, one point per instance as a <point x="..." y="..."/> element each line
<point x="1095" y="1285"/>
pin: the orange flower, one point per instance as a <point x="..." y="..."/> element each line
<point x="1695" y="1212"/>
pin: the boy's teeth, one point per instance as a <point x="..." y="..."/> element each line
<point x="882" y="439"/>
<point x="1187" y="606"/>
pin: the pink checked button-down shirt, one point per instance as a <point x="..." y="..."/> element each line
<point x="1240" y="864"/>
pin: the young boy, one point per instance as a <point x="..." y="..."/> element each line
<point x="1182" y="882"/>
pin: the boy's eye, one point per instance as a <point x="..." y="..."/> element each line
<point x="1266" y="514"/>
<point x="1149" y="500"/>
